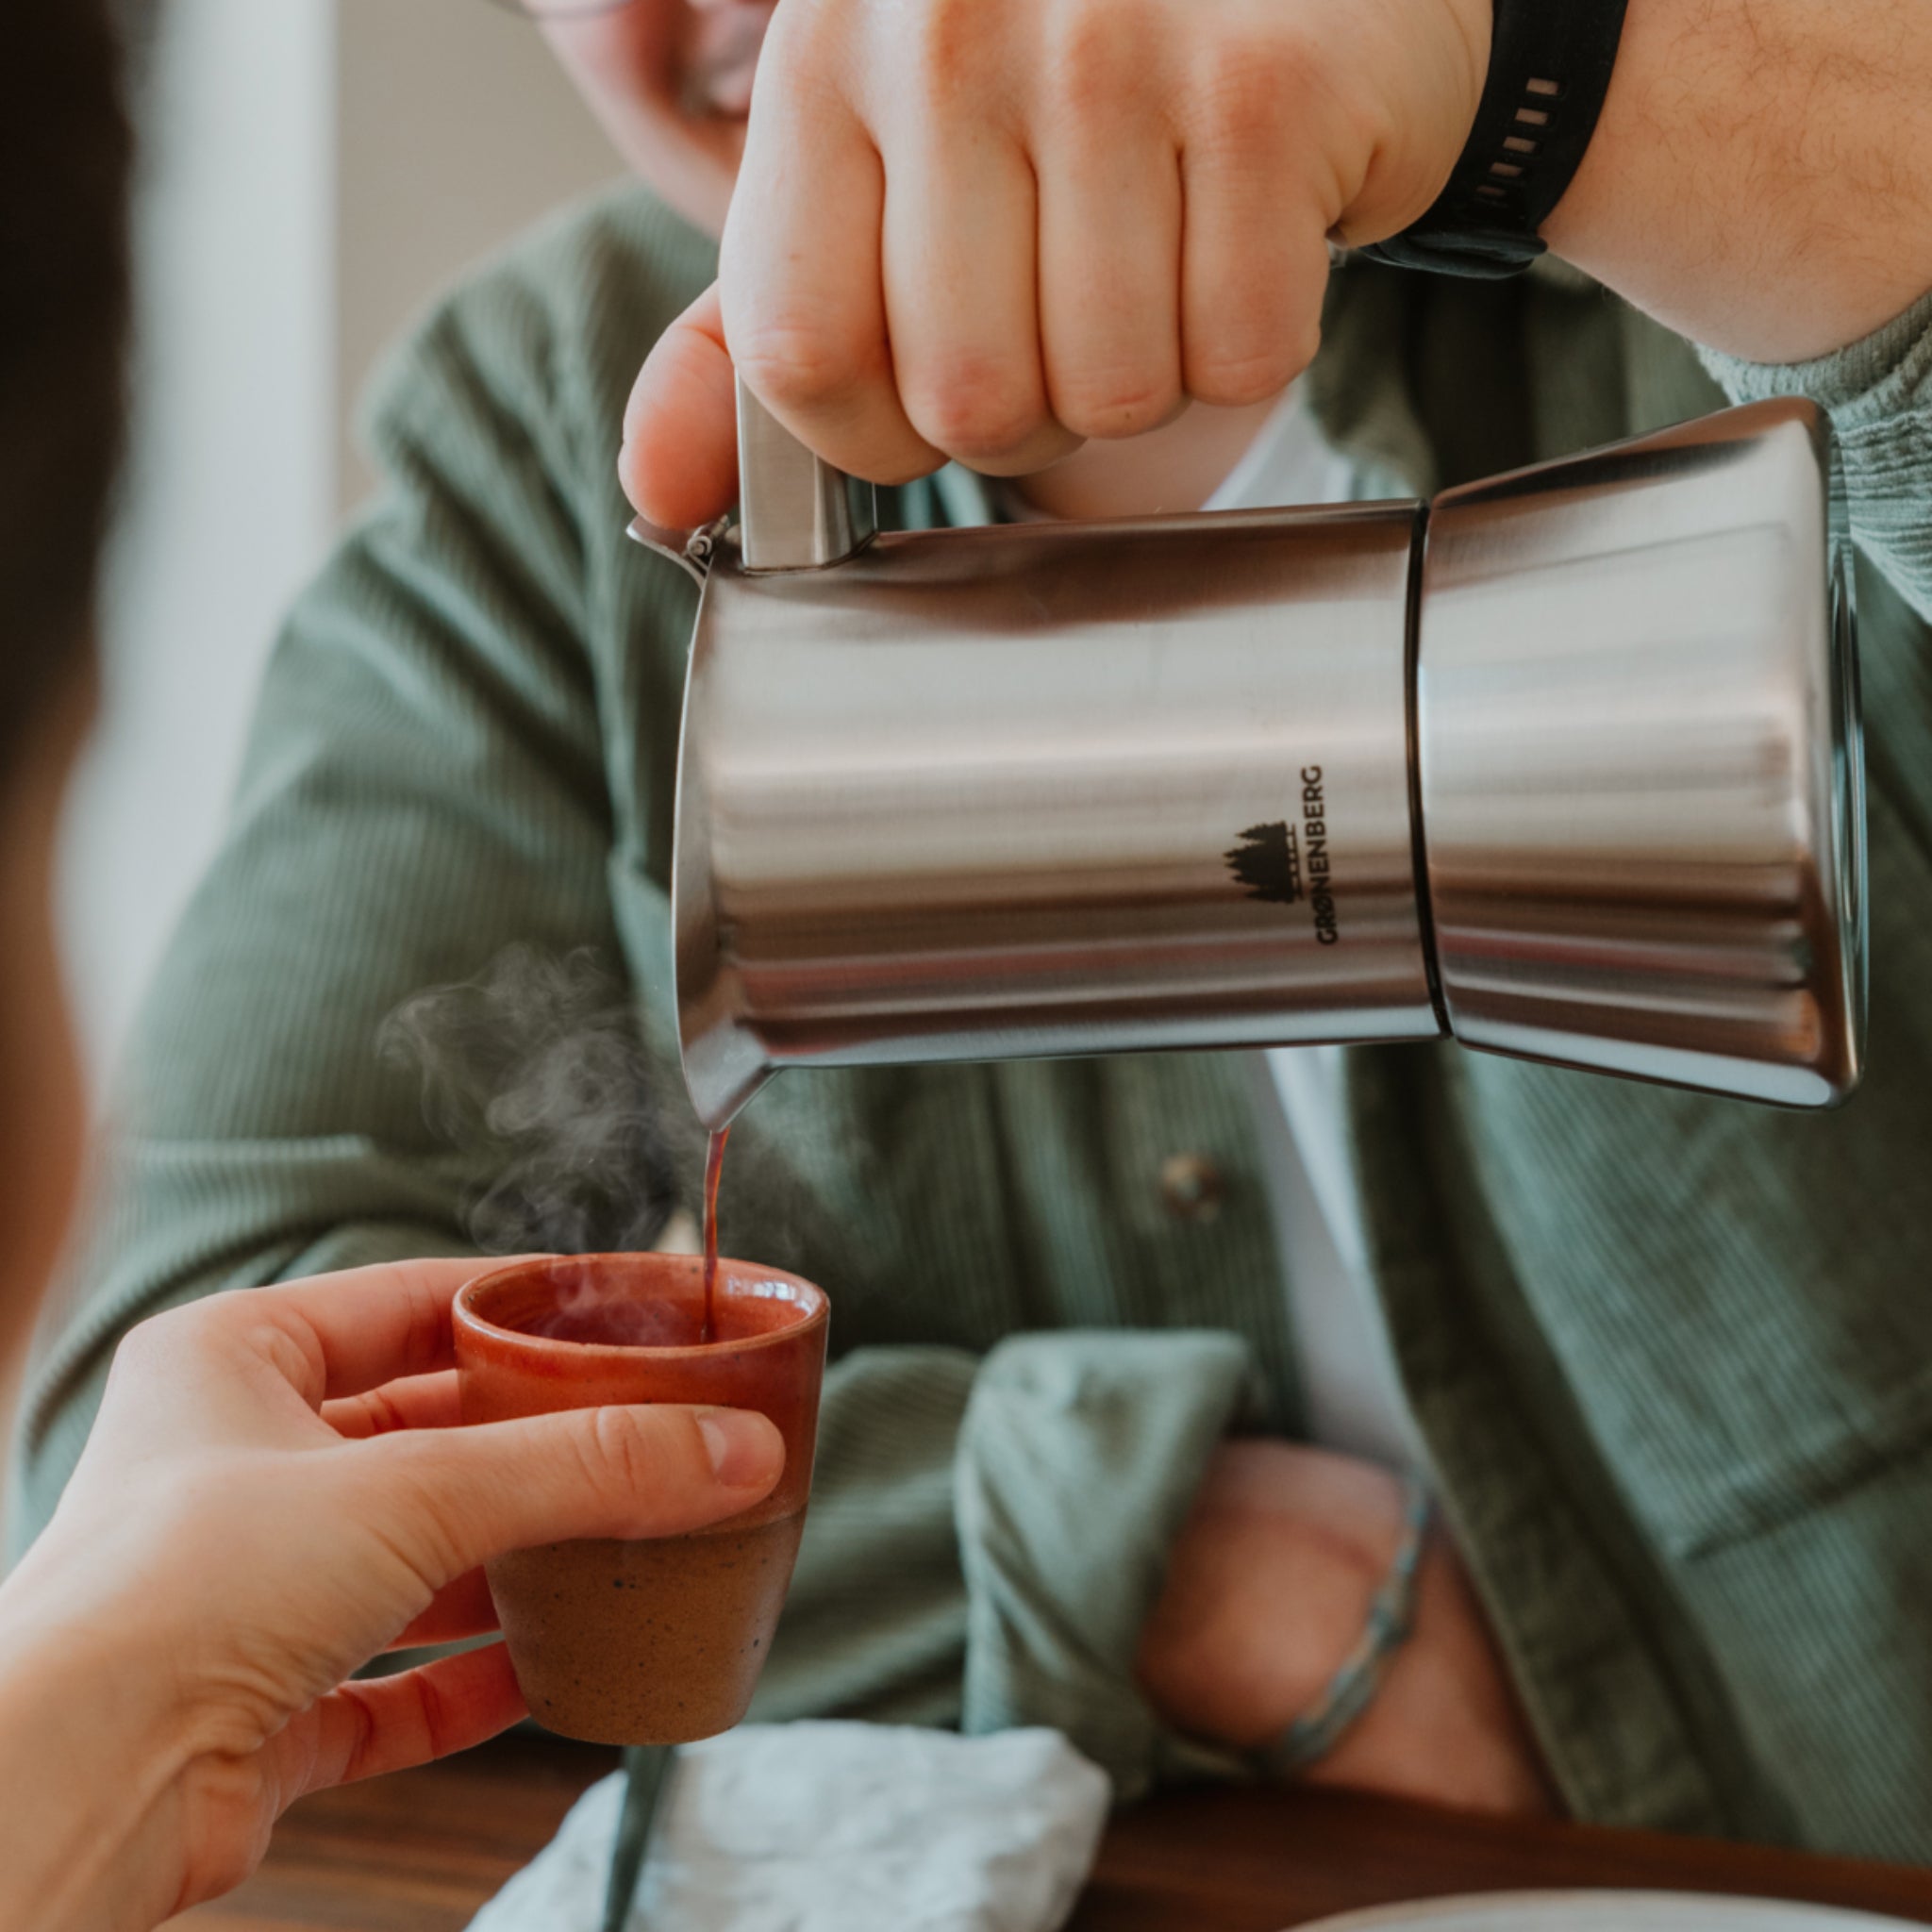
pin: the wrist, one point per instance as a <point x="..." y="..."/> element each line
<point x="1473" y="24"/>
<point x="89" y="1755"/>
<point x="1436" y="69"/>
<point x="1269" y="1588"/>
<point x="1329" y="1716"/>
<point x="1444" y="1726"/>
<point x="1548" y="67"/>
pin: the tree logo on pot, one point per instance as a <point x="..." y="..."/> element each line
<point x="1268" y="862"/>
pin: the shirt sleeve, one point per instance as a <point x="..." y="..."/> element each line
<point x="1878" y="394"/>
<point x="1079" y="1456"/>
<point x="988" y="1536"/>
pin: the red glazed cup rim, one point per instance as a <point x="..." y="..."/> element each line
<point x="809" y="1295"/>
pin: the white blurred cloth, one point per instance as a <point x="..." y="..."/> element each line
<point x="834" y="1827"/>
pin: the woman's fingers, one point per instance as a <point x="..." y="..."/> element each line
<point x="458" y="1610"/>
<point x="417" y="1402"/>
<point x="450" y="1499"/>
<point x="680" y="461"/>
<point x="394" y="1723"/>
<point x="329" y="1337"/>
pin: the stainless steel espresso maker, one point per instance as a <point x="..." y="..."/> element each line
<point x="1565" y="764"/>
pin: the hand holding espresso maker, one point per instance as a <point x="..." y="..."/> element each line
<point x="1565" y="764"/>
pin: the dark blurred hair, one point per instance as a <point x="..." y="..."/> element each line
<point x="65" y="159"/>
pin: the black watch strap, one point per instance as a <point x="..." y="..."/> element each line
<point x="1550" y="64"/>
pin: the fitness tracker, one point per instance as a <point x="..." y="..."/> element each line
<point x="1550" y="64"/>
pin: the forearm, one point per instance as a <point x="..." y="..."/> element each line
<point x="1761" y="176"/>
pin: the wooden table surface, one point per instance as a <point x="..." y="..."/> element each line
<point x="420" y="1852"/>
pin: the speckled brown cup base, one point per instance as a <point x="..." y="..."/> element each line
<point x="660" y="1642"/>
<point x="645" y="1643"/>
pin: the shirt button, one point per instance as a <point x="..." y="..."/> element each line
<point x="1191" y="1186"/>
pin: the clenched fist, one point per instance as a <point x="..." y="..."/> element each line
<point x="988" y="229"/>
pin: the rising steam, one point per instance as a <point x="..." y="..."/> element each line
<point x="535" y="1072"/>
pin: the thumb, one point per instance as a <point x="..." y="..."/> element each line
<point x="680" y="462"/>
<point x="457" y="1497"/>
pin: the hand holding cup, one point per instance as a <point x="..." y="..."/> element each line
<point x="276" y="1491"/>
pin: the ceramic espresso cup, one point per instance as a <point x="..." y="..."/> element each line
<point x="658" y="1641"/>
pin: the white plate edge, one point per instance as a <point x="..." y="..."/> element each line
<point x="1797" y="1915"/>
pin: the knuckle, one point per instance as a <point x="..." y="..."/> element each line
<point x="1248" y="359"/>
<point x="794" y="365"/>
<point x="380" y="1413"/>
<point x="979" y="409"/>
<point x="803" y="33"/>
<point x="154" y="1336"/>
<point x="427" y="1532"/>
<point x="1093" y="60"/>
<point x="210" y="1315"/>
<point x="1231" y="376"/>
<point x="1105" y="404"/>
<point x="217" y="1323"/>
<point x="946" y="45"/>
<point x="1246" y="90"/>
<point x="361" y="1727"/>
<point x="438" y="1724"/>
<point x="635" y="1455"/>
<point x="820" y="46"/>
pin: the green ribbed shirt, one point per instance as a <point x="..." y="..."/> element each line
<point x="1672" y="1356"/>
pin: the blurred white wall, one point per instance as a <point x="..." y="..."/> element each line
<point x="454" y="130"/>
<point x="316" y="170"/>
<point x="230" y="485"/>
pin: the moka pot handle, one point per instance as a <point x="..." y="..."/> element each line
<point x="795" y="511"/>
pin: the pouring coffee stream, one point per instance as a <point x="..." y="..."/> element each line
<point x="714" y="1169"/>
<point x="1565" y="765"/>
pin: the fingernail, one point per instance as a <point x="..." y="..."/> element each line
<point x="739" y="1445"/>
